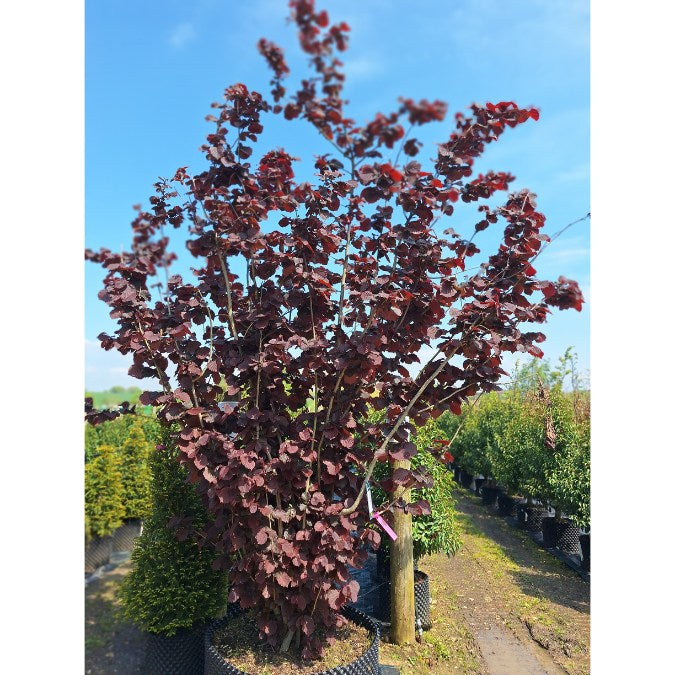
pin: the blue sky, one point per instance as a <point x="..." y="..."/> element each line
<point x="153" y="68"/>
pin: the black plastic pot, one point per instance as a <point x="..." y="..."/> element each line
<point x="489" y="495"/>
<point x="506" y="506"/>
<point x="466" y="479"/>
<point x="457" y="473"/>
<point x="568" y="537"/>
<point x="179" y="654"/>
<point x="535" y="514"/>
<point x="549" y="532"/>
<point x="366" y="664"/>
<point x="97" y="553"/>
<point x="530" y="517"/>
<point x="478" y="482"/>
<point x="585" y="545"/>
<point x="422" y="602"/>
<point x="560" y="534"/>
<point x="125" y="535"/>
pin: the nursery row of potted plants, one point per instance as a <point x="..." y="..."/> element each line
<point x="558" y="532"/>
<point x="528" y="449"/>
<point x="117" y="488"/>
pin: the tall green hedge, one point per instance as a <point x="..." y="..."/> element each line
<point x="115" y="432"/>
<point x="503" y="436"/>
<point x="136" y="473"/>
<point x="103" y="506"/>
<point x="172" y="584"/>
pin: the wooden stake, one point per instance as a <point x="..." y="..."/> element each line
<point x="402" y="572"/>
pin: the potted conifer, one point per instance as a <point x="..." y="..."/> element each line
<point x="103" y="506"/>
<point x="136" y="479"/>
<point x="172" y="591"/>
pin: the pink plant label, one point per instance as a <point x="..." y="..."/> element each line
<point x="383" y="524"/>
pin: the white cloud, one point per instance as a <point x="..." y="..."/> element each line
<point x="182" y="34"/>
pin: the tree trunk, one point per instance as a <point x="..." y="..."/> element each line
<point x="402" y="572"/>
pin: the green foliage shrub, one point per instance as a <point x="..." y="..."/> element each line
<point x="449" y="424"/>
<point x="568" y="478"/>
<point x="115" y="432"/>
<point x="470" y="445"/>
<point x="439" y="531"/>
<point x="103" y="506"/>
<point x="172" y="584"/>
<point x="523" y="455"/>
<point x="559" y="476"/>
<point x="136" y="474"/>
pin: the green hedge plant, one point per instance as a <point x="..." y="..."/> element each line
<point x="136" y="473"/>
<point x="115" y="432"/>
<point x="568" y="475"/>
<point x="437" y="532"/>
<point x="103" y="505"/>
<point x="172" y="584"/>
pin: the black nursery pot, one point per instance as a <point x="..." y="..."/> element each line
<point x="367" y="664"/>
<point x="97" y="553"/>
<point x="567" y="537"/>
<point x="489" y="495"/>
<point x="548" y="530"/>
<point x="530" y="517"/>
<point x="457" y="474"/>
<point x="560" y="534"/>
<point x="535" y="514"/>
<point x="478" y="483"/>
<point x="124" y="537"/>
<point x="466" y="479"/>
<point x="506" y="506"/>
<point x="422" y="601"/>
<point x="179" y="654"/>
<point x="585" y="544"/>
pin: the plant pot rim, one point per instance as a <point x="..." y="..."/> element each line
<point x="351" y="613"/>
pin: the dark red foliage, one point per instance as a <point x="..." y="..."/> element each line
<point x="324" y="293"/>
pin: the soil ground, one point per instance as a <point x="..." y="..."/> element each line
<point x="113" y="646"/>
<point x="501" y="606"/>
